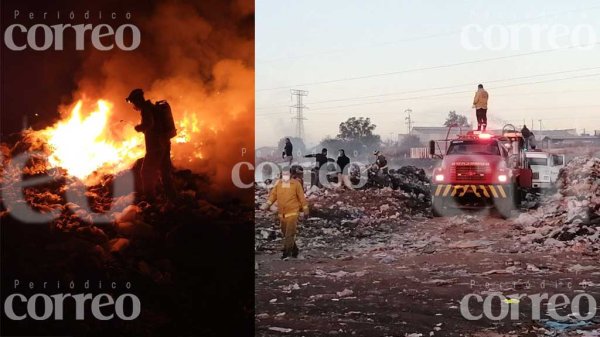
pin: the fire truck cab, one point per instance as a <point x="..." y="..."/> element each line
<point x="545" y="168"/>
<point x="481" y="171"/>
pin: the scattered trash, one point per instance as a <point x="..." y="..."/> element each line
<point x="579" y="268"/>
<point x="389" y="230"/>
<point x="345" y="293"/>
<point x="439" y="282"/>
<point x="343" y="219"/>
<point x="569" y="219"/>
<point x="278" y="329"/>
<point x="470" y="244"/>
<point x="564" y="326"/>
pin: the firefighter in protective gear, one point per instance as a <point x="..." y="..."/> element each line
<point x="157" y="161"/>
<point x="291" y="203"/>
<point x="480" y="103"/>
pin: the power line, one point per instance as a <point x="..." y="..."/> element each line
<point x="456" y="92"/>
<point x="444" y="94"/>
<point x="447" y="87"/>
<point x="562" y="118"/>
<point x="557" y="108"/>
<point x="460" y="92"/>
<point x="530" y="93"/>
<point x="462" y="85"/>
<point x="429" y="68"/>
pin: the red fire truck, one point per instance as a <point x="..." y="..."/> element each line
<point x="480" y="171"/>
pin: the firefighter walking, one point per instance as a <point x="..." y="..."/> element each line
<point x="291" y="204"/>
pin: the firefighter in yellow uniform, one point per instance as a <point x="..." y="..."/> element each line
<point x="289" y="195"/>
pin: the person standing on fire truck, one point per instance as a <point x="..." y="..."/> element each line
<point x="529" y="138"/>
<point x="291" y="204"/>
<point x="480" y="103"/>
<point x="158" y="145"/>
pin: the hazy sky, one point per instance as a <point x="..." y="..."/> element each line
<point x="427" y="56"/>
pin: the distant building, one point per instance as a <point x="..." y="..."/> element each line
<point x="427" y="133"/>
<point x="419" y="153"/>
<point x="566" y="133"/>
<point x="560" y="142"/>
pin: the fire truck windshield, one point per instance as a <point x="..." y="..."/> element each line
<point x="474" y="147"/>
<point x="537" y="161"/>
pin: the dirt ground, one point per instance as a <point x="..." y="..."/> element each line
<point x="407" y="277"/>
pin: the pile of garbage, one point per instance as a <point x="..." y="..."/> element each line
<point x="570" y="219"/>
<point x="161" y="247"/>
<point x="410" y="179"/>
<point x="343" y="219"/>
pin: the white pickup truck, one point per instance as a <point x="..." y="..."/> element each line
<point x="545" y="167"/>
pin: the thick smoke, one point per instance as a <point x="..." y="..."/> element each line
<point x="200" y="58"/>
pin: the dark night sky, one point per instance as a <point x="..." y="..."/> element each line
<point x="37" y="82"/>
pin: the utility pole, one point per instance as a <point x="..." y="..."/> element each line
<point x="408" y="120"/>
<point x="539" y="120"/>
<point x="299" y="106"/>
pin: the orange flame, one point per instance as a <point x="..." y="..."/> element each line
<point x="83" y="145"/>
<point x="188" y="131"/>
<point x="87" y="144"/>
<point x="186" y="126"/>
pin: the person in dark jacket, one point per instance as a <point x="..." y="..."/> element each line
<point x="288" y="151"/>
<point x="321" y="159"/>
<point x="525" y="132"/>
<point x="528" y="137"/>
<point x="157" y="161"/>
<point x="343" y="161"/>
<point x="381" y="162"/>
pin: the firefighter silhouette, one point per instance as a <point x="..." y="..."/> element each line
<point x="158" y="127"/>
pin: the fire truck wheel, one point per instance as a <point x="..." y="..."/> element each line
<point x="504" y="207"/>
<point x="437" y="207"/>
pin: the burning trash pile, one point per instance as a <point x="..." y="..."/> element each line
<point x="96" y="230"/>
<point x="109" y="220"/>
<point x="346" y="219"/>
<point x="570" y="219"/>
<point x="408" y="179"/>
